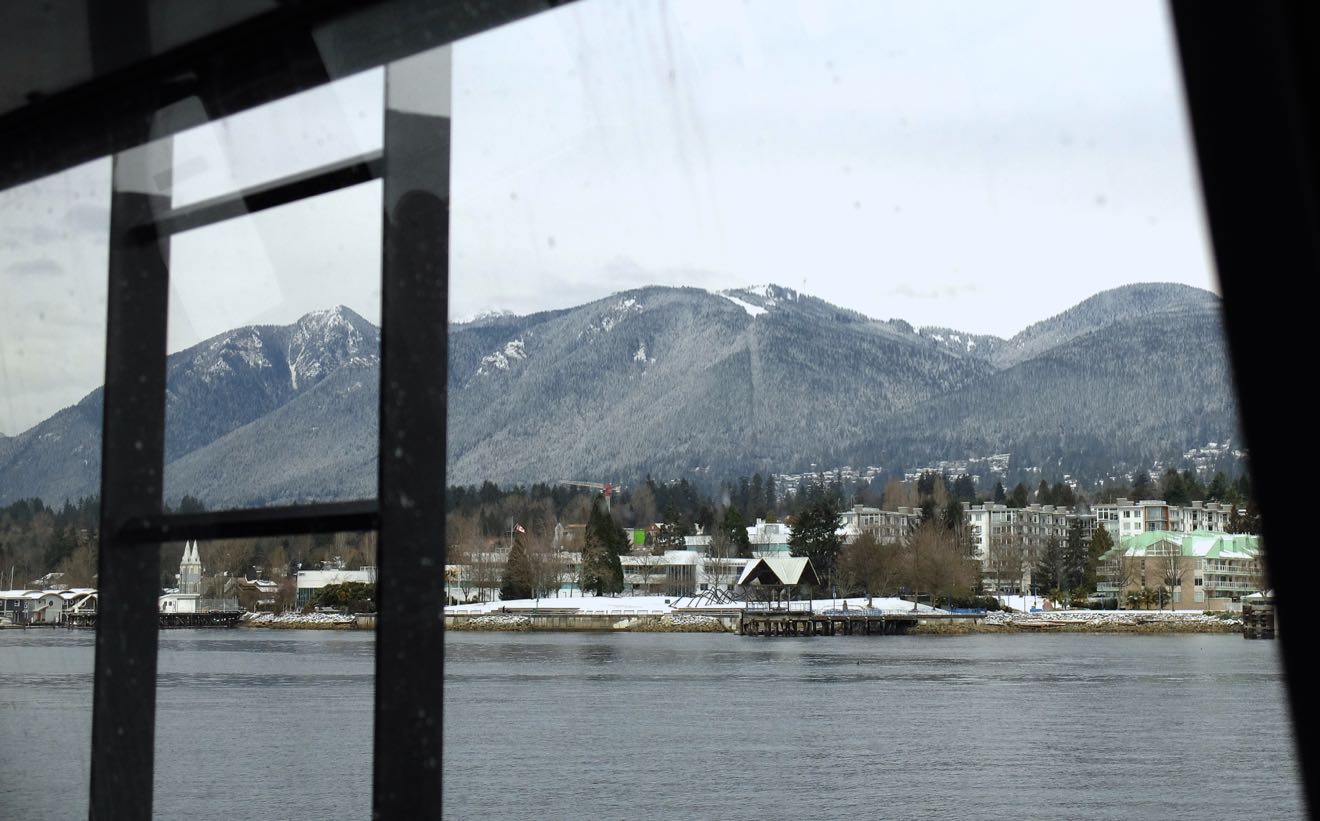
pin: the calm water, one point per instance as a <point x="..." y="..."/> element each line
<point x="257" y="724"/>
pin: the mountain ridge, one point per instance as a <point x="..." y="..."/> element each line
<point x="666" y="381"/>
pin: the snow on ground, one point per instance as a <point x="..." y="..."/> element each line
<point x="659" y="605"/>
<point x="1023" y="604"/>
<point x="583" y="604"/>
<point x="888" y="604"/>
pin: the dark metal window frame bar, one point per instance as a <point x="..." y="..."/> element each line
<point x="409" y="510"/>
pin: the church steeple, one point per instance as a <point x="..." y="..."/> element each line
<point x="190" y="570"/>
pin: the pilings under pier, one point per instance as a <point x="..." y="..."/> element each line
<point x="817" y="624"/>
<point x="215" y="618"/>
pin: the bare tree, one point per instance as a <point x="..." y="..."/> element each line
<point x="720" y="567"/>
<point x="1173" y="569"/>
<point x="926" y="559"/>
<point x="79" y="568"/>
<point x="871" y="566"/>
<point x="544" y="565"/>
<point x="1007" y="560"/>
<point x="487" y="566"/>
<point x="945" y="568"/>
<point x="1125" y="572"/>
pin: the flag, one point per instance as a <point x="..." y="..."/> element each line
<point x="519" y="528"/>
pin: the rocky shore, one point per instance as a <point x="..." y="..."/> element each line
<point x="298" y="621"/>
<point x="679" y="623"/>
<point x="674" y="623"/>
<point x="1090" y="621"/>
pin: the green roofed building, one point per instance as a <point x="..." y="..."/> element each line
<point x="1183" y="571"/>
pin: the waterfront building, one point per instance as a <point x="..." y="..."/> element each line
<point x="778" y="580"/>
<point x="310" y="581"/>
<point x="769" y="538"/>
<point x="1199" y="570"/>
<point x="253" y="594"/>
<point x="887" y="526"/>
<point x="679" y="573"/>
<point x="766" y="539"/>
<point x="1009" y="541"/>
<point x="1123" y="517"/>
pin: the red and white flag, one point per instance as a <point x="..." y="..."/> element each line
<point x="519" y="528"/>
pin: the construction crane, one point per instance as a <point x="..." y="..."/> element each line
<point x="606" y="489"/>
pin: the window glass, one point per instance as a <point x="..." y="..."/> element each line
<point x="274" y="334"/>
<point x="53" y="245"/>
<point x="276" y="712"/>
<point x="328" y="124"/>
<point x="883" y="254"/>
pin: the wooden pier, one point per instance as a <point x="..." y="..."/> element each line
<point x="168" y="621"/>
<point x="1259" y="621"/>
<point x="801" y="623"/>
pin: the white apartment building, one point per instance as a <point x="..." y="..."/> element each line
<point x="992" y="526"/>
<point x="887" y="526"/>
<point x="1123" y="518"/>
<point x="766" y="538"/>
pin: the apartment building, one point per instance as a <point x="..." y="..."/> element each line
<point x="1199" y="570"/>
<point x="766" y="539"/>
<point x="887" y="526"/>
<point x="996" y="529"/>
<point x="1123" y="517"/>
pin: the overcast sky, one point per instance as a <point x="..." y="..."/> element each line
<point x="974" y="165"/>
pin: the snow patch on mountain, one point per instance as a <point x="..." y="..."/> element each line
<point x="752" y="310"/>
<point x="616" y="314"/>
<point x="324" y="341"/>
<point x="513" y="350"/>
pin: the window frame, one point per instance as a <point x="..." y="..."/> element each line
<point x="1256" y="128"/>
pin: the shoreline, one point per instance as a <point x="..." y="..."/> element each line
<point x="963" y="629"/>
<point x="1154" y="628"/>
<point x="1130" y="622"/>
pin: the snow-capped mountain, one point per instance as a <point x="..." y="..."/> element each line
<point x="663" y="381"/>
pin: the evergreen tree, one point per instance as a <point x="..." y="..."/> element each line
<point x="1077" y="557"/>
<point x="964" y="489"/>
<point x="1218" y="490"/>
<point x="1018" y="498"/>
<point x="814" y="536"/>
<point x="1062" y="495"/>
<point x="735" y="530"/>
<point x="672" y="529"/>
<point x="190" y="504"/>
<point x="602" y="572"/>
<point x="1051" y="572"/>
<point x="926" y="484"/>
<point x="771" y="502"/>
<point x="952" y="516"/>
<point x="1173" y="488"/>
<point x="516" y="582"/>
<point x="928" y="510"/>
<point x="1195" y="490"/>
<point x="1000" y="496"/>
<point x="1101" y="543"/>
<point x="1141" y="487"/>
<point x="756" y="502"/>
<point x="1043" y="494"/>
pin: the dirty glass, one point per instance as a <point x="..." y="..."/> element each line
<point x="53" y="251"/>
